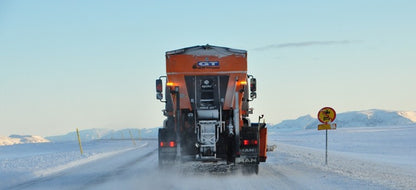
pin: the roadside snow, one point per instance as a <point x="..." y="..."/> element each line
<point x="22" y="162"/>
<point x="60" y="168"/>
<point x="382" y="155"/>
<point x="396" y="177"/>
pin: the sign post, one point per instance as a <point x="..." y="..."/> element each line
<point x="326" y="116"/>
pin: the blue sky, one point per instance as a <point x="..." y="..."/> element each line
<point x="92" y="64"/>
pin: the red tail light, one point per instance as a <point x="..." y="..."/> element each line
<point x="165" y="144"/>
<point x="172" y="144"/>
<point x="250" y="142"/>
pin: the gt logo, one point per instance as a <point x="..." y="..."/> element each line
<point x="207" y="64"/>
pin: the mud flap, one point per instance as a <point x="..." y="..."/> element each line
<point x="263" y="143"/>
<point x="249" y="150"/>
<point x="167" y="147"/>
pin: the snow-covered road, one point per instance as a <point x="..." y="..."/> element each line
<point x="137" y="168"/>
<point x="297" y="163"/>
<point x="94" y="170"/>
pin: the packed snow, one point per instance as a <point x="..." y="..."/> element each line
<point x="381" y="155"/>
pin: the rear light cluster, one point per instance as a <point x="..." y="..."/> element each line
<point x="250" y="142"/>
<point x="167" y="144"/>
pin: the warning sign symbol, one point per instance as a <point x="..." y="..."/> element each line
<point x="326" y="115"/>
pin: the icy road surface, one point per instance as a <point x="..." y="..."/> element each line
<point x="137" y="168"/>
<point x="297" y="163"/>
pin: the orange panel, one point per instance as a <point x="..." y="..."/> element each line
<point x="188" y="64"/>
<point x="263" y="144"/>
<point x="180" y="65"/>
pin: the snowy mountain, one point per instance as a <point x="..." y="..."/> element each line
<point x="95" y="134"/>
<point x="295" y="124"/>
<point x="90" y="134"/>
<point x="21" y="139"/>
<point x="367" y="118"/>
<point x="409" y="115"/>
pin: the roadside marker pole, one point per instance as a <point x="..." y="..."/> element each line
<point x="132" y="139"/>
<point x="79" y="141"/>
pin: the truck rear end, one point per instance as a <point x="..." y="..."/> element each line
<point x="207" y="94"/>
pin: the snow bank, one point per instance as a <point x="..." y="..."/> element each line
<point x="382" y="155"/>
<point x="354" y="166"/>
<point x="23" y="162"/>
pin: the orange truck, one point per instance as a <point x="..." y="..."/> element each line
<point x="207" y="95"/>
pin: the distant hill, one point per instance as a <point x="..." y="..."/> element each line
<point x="95" y="134"/>
<point x="367" y="118"/>
<point x="295" y="124"/>
<point x="21" y="139"/>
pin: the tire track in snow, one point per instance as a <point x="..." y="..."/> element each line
<point x="118" y="171"/>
